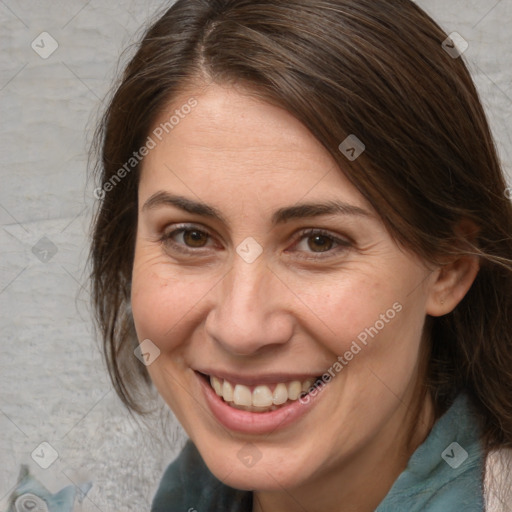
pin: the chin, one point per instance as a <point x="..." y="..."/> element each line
<point x="270" y="469"/>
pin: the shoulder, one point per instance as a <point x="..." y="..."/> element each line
<point x="498" y="481"/>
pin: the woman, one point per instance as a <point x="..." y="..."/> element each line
<point x="304" y="224"/>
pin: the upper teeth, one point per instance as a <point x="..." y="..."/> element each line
<point x="262" y="395"/>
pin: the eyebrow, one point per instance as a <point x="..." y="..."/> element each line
<point x="280" y="216"/>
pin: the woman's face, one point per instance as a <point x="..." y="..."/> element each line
<point x="258" y="263"/>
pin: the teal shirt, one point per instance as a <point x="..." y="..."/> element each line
<point x="444" y="474"/>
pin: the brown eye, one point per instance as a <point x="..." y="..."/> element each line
<point x="195" y="238"/>
<point x="320" y="243"/>
<point x="186" y="238"/>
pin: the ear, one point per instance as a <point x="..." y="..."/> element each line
<point x="452" y="280"/>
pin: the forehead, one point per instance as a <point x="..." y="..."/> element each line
<point x="234" y="139"/>
<point x="230" y="118"/>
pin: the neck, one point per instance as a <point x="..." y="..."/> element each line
<point x="361" y="483"/>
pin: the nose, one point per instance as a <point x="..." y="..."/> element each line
<point x="251" y="311"/>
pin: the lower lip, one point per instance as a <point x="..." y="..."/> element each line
<point x="254" y="422"/>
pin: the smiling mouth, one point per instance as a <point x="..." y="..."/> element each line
<point x="260" y="398"/>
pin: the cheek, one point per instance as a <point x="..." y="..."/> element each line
<point x="163" y="299"/>
<point x="367" y="318"/>
<point x="340" y="309"/>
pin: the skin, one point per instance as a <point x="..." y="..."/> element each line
<point x="297" y="307"/>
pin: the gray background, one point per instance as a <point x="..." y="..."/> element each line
<point x="53" y="384"/>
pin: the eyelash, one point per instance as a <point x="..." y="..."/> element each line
<point x="342" y="245"/>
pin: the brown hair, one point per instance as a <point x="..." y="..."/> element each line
<point x="373" y="68"/>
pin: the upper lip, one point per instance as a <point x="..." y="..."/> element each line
<point x="255" y="379"/>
